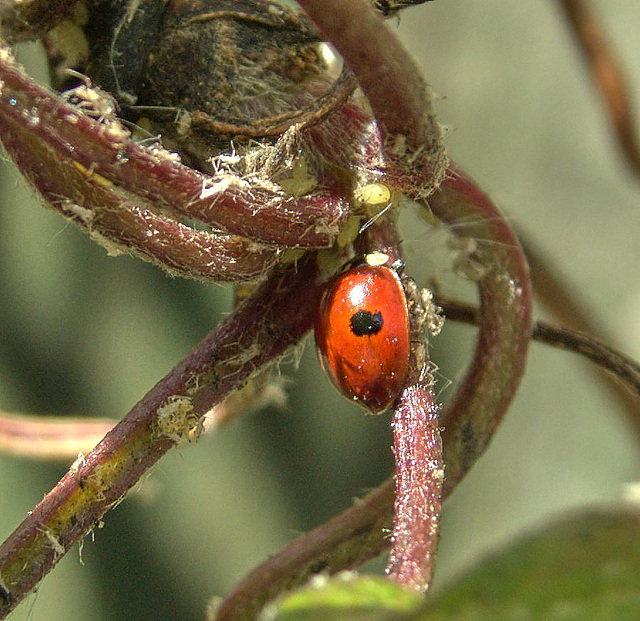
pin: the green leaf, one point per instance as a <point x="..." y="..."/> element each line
<point x="583" y="568"/>
<point x="346" y="597"/>
<point x="586" y="567"/>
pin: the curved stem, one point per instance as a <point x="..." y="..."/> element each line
<point x="624" y="369"/>
<point x="125" y="223"/>
<point x="411" y="138"/>
<point x="479" y="404"/>
<point x="387" y="74"/>
<point x="225" y="201"/>
<point x="494" y="259"/>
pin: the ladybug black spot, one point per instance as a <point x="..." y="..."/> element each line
<point x="364" y="323"/>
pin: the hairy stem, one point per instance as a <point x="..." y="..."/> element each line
<point x="622" y="368"/>
<point x="417" y="444"/>
<point x="479" y="404"/>
<point x="276" y="316"/>
<point x="385" y="71"/>
<point x="125" y="223"/>
<point x="224" y="201"/>
<point x="410" y="135"/>
<point x="494" y="259"/>
<point x="419" y="476"/>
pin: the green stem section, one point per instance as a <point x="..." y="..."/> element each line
<point x="275" y="317"/>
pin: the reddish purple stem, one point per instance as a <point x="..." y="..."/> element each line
<point x="506" y="303"/>
<point x="479" y="404"/>
<point x="224" y="201"/>
<point x="417" y="444"/>
<point x="419" y="476"/>
<point x="385" y="71"/>
<point x="410" y="146"/>
<point x="275" y="317"/>
<point x="125" y="223"/>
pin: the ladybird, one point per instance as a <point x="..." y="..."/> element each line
<point x="362" y="335"/>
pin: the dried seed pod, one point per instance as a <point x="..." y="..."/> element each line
<point x="207" y="71"/>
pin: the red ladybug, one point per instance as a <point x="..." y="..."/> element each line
<point x="362" y="335"/>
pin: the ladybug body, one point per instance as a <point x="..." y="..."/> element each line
<point x="362" y="335"/>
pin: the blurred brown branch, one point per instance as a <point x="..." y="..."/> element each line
<point x="607" y="74"/>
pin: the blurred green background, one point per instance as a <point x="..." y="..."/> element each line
<point x="81" y="333"/>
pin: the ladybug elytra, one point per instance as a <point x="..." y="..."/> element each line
<point x="362" y="335"/>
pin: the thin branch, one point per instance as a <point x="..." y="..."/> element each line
<point x="608" y="76"/>
<point x="62" y="438"/>
<point x="624" y="369"/>
<point x="554" y="292"/>
<point x="272" y="319"/>
<point x="47" y="437"/>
